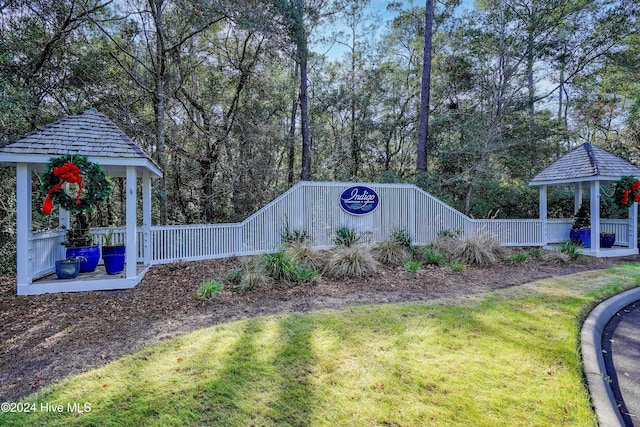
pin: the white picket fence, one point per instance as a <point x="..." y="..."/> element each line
<point x="314" y="207"/>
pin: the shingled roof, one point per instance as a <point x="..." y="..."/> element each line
<point x="89" y="134"/>
<point x="586" y="162"/>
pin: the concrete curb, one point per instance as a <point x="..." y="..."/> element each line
<point x="602" y="397"/>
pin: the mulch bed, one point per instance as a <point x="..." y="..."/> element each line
<point x="47" y="337"/>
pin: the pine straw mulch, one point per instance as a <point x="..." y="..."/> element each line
<point x="47" y="337"/>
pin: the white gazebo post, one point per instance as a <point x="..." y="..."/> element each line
<point x="131" y="254"/>
<point x="23" y="224"/>
<point x="146" y="216"/>
<point x="633" y="226"/>
<point x="595" y="216"/>
<point x="543" y="214"/>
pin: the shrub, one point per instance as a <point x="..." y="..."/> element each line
<point x="283" y="266"/>
<point x="412" y="266"/>
<point x="480" y="249"/>
<point x="346" y="236"/>
<point x="457" y="266"/>
<point x="351" y="261"/>
<point x="518" y="257"/>
<point x="209" y="290"/>
<point x="432" y="256"/>
<point x="571" y="249"/>
<point x="291" y="236"/>
<point x="305" y="256"/>
<point x="390" y="252"/>
<point x="402" y="238"/>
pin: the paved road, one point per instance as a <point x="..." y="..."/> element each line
<point x="621" y="342"/>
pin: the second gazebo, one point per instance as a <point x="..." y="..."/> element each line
<point x="593" y="165"/>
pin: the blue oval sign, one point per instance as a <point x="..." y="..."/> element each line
<point x="359" y="200"/>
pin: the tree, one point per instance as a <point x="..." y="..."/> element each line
<point x="425" y="91"/>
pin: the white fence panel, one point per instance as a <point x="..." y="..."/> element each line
<point x="558" y="230"/>
<point x="618" y="226"/>
<point x="432" y="216"/>
<point x="194" y="242"/>
<point x="314" y="207"/>
<point x="45" y="250"/>
<point x="512" y="232"/>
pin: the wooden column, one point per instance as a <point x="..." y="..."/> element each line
<point x="595" y="216"/>
<point x="543" y="214"/>
<point x="131" y="223"/>
<point x="146" y="216"/>
<point x="23" y="226"/>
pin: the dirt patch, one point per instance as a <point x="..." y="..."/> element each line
<point x="47" y="337"/>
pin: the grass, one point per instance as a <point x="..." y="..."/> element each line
<point x="508" y="357"/>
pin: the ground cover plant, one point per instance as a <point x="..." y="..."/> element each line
<point x="506" y="357"/>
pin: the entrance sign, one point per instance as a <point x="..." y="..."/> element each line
<point x="359" y="200"/>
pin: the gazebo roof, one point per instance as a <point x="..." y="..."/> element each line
<point x="89" y="134"/>
<point x="584" y="163"/>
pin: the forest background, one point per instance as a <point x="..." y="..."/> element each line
<point x="239" y="100"/>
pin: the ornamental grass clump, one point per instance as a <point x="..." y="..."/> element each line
<point x="351" y="262"/>
<point x="389" y="252"/>
<point x="284" y="267"/>
<point x="481" y="248"/>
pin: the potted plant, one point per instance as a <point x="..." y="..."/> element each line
<point x="68" y="268"/>
<point x="112" y="253"/>
<point x="581" y="229"/>
<point x="607" y="240"/>
<point x="77" y="185"/>
<point x="79" y="244"/>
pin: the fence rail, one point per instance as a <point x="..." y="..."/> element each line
<point x="313" y="207"/>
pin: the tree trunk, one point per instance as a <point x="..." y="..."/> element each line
<point x="292" y="131"/>
<point x="159" y="102"/>
<point x="425" y="92"/>
<point x="306" y="138"/>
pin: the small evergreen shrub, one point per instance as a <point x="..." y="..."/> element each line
<point x="432" y="256"/>
<point x="346" y="236"/>
<point x="411" y="266"/>
<point x="518" y="257"/>
<point x="457" y="266"/>
<point x="209" y="290"/>
<point x="351" y="261"/>
<point x="283" y="266"/>
<point x="402" y="238"/>
<point x="571" y="249"/>
<point x="291" y="236"/>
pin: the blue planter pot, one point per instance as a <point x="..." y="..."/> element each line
<point x="607" y="240"/>
<point x="91" y="255"/>
<point x="67" y="269"/>
<point x="581" y="237"/>
<point x="113" y="257"/>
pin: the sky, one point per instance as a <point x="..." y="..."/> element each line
<point x="335" y="51"/>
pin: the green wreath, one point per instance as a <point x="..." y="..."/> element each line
<point x="626" y="191"/>
<point x="93" y="186"/>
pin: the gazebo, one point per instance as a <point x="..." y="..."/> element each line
<point x="93" y="135"/>
<point x="592" y="165"/>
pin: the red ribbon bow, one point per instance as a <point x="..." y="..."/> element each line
<point x="66" y="173"/>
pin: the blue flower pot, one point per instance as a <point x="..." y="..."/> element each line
<point x="607" y="240"/>
<point x="91" y="254"/>
<point x="581" y="237"/>
<point x="67" y="269"/>
<point x="113" y="257"/>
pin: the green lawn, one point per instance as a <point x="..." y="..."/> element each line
<point x="506" y="358"/>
